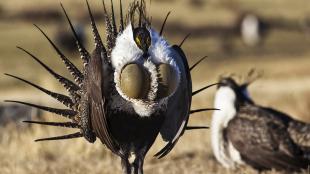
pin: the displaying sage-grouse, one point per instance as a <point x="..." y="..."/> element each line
<point x="245" y="133"/>
<point x="128" y="92"/>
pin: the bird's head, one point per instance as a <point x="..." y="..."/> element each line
<point x="142" y="38"/>
<point x="146" y="73"/>
<point x="229" y="90"/>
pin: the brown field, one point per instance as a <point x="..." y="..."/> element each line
<point x="284" y="60"/>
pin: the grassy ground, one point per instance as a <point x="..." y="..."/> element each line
<point x="284" y="59"/>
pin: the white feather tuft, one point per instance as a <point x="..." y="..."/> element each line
<point x="223" y="150"/>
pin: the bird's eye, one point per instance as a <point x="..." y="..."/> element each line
<point x="135" y="81"/>
<point x="167" y="80"/>
<point x="138" y="40"/>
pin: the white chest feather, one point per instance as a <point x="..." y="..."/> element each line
<point x="223" y="150"/>
<point x="125" y="52"/>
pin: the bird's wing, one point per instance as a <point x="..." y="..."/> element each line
<point x="298" y="131"/>
<point x="300" y="134"/>
<point x="261" y="137"/>
<point x="178" y="107"/>
<point x="96" y="100"/>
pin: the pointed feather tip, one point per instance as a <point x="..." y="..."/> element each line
<point x="62" y="137"/>
<point x="159" y="153"/>
<point x="104" y="7"/>
<point x="185" y="38"/>
<point x="38" y="140"/>
<point x="19" y="47"/>
<point x="196" y="127"/>
<point x="55" y="124"/>
<point x="24" y="50"/>
<point x="203" y="110"/>
<point x="88" y="6"/>
<point x="8" y="74"/>
<point x="204" y="88"/>
<point x="164" y="24"/>
<point x="165" y="150"/>
<point x="35" y="25"/>
<point x="83" y="53"/>
<point x="197" y="63"/>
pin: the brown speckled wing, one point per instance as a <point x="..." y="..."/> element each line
<point x="98" y="113"/>
<point x="261" y="136"/>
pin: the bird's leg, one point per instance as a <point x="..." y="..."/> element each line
<point x="132" y="163"/>
<point x="126" y="167"/>
<point x="138" y="164"/>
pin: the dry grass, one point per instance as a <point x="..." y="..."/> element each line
<point x="284" y="59"/>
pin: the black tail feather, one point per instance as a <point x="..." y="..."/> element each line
<point x="57" y="124"/>
<point x="63" y="112"/>
<point x="185" y="38"/>
<point x="61" y="98"/>
<point x="114" y="28"/>
<point x="206" y="87"/>
<point x="97" y="38"/>
<point x="74" y="71"/>
<point x="204" y="109"/>
<point x="164" y="23"/>
<point x="83" y="52"/>
<point x="71" y="87"/>
<point x="196" y="127"/>
<point x="140" y="13"/>
<point x="69" y="136"/>
<point x="109" y="31"/>
<point x="121" y="16"/>
<point x="200" y="60"/>
<point x="164" y="151"/>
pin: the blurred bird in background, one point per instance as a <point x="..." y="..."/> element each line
<point x="65" y="39"/>
<point x="243" y="132"/>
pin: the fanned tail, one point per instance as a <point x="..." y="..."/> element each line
<point x="78" y="102"/>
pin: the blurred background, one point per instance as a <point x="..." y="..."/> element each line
<point x="272" y="37"/>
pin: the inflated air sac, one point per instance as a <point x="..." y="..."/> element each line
<point x="167" y="80"/>
<point x="135" y="81"/>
